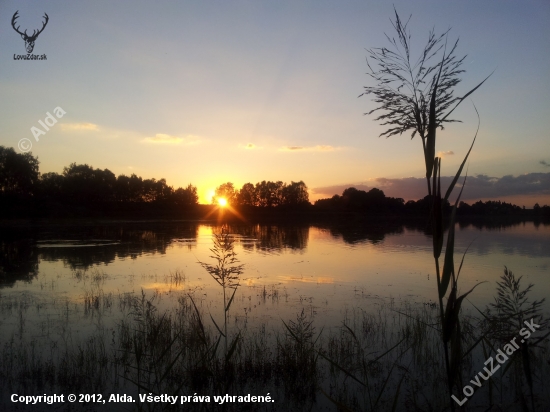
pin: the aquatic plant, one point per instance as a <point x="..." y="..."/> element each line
<point x="505" y="317"/>
<point x="423" y="106"/>
<point x="226" y="272"/>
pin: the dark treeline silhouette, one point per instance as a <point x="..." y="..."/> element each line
<point x="264" y="194"/>
<point x="353" y="199"/>
<point x="82" y="190"/>
<point x="375" y="202"/>
<point x="498" y="208"/>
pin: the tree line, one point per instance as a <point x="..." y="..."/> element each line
<point x="24" y="191"/>
<point x="375" y="201"/>
<point x="263" y="194"/>
<point x="81" y="185"/>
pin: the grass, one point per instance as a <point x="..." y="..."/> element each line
<point x="384" y="356"/>
<point x="387" y="358"/>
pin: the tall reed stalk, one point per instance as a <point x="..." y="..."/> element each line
<point x="411" y="101"/>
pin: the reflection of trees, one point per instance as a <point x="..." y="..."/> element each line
<point x="491" y="223"/>
<point x="371" y="232"/>
<point x="18" y="257"/>
<point x="86" y="246"/>
<point x="80" y="257"/>
<point x="272" y="237"/>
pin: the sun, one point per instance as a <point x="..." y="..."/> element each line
<point x="222" y="202"/>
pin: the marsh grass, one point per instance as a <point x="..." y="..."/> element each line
<point x="387" y="358"/>
<point x="503" y="318"/>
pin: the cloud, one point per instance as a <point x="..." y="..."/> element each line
<point x="167" y="139"/>
<point x="250" y="146"/>
<point x="79" y="126"/>
<point x="544" y="163"/>
<point x="477" y="187"/>
<point x="446" y="153"/>
<point x="319" y="148"/>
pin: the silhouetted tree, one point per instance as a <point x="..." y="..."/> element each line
<point x="83" y="183"/>
<point x="227" y="192"/>
<point x="129" y="189"/>
<point x="264" y="194"/>
<point x="247" y="195"/>
<point x="186" y="197"/>
<point x="269" y="194"/>
<point x="356" y="200"/>
<point x="51" y="186"/>
<point x="295" y="194"/>
<point x="18" y="172"/>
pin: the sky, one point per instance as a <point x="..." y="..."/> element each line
<point x="245" y="91"/>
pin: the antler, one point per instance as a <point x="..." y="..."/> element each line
<point x="43" y="24"/>
<point x="34" y="33"/>
<point x="15" y="16"/>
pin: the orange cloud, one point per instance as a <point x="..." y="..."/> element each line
<point x="319" y="148"/>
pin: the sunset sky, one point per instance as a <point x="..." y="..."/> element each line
<point x="244" y="91"/>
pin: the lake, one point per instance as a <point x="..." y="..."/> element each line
<point x="78" y="300"/>
<point x="324" y="269"/>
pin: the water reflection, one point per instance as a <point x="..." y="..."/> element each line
<point x="18" y="256"/>
<point x="272" y="238"/>
<point x="80" y="248"/>
<point x="83" y="246"/>
<point x="365" y="232"/>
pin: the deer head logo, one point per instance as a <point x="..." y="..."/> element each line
<point x="29" y="40"/>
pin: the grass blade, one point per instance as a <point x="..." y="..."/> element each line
<point x="462" y="261"/>
<point x="231" y="300"/>
<point x="233" y="347"/>
<point x="388" y="351"/>
<point x="351" y="375"/>
<point x="466" y="95"/>
<point x="448" y="265"/>
<point x="217" y="327"/>
<point x="339" y="405"/>
<point x="397" y="391"/>
<point x="459" y="172"/>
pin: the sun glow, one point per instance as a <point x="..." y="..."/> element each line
<point x="222" y="202"/>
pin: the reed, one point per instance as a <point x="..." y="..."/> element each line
<point x="503" y="319"/>
<point x="385" y="359"/>
<point x="226" y="272"/>
<point x="418" y="96"/>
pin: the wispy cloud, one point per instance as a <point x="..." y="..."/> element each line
<point x="445" y="153"/>
<point x="79" y="126"/>
<point x="250" y="146"/>
<point x="319" y="148"/>
<point x="166" y="139"/>
<point x="544" y="163"/>
<point x="477" y="187"/>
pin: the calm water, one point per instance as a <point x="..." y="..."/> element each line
<point x="324" y="270"/>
